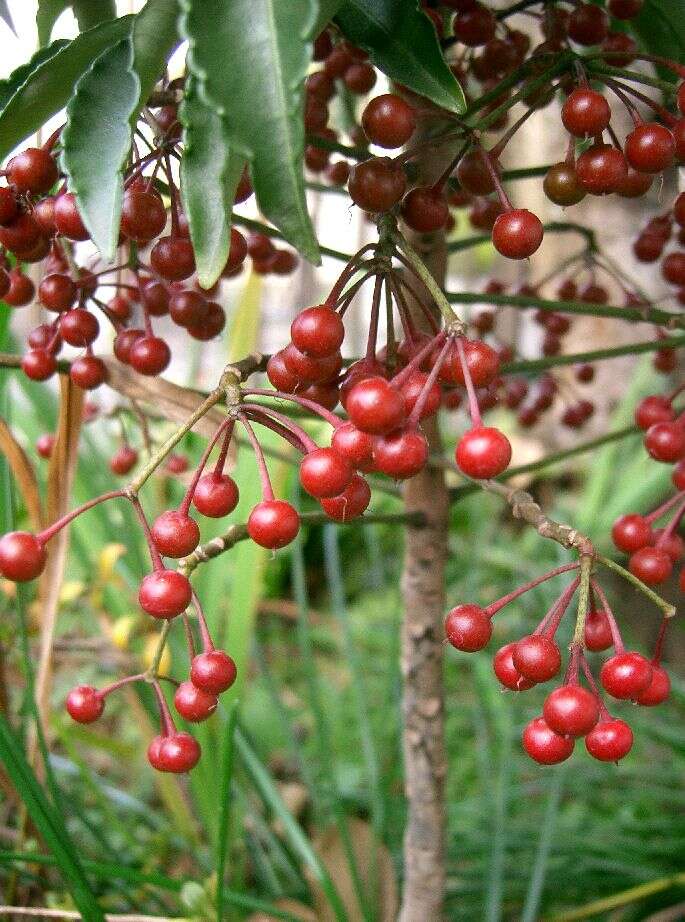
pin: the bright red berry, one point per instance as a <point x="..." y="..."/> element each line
<point x="468" y="628"/>
<point x="85" y="704"/>
<point x="88" y="372"/>
<point x="537" y="657"/>
<point x="650" y="148"/>
<point x="666" y="442"/>
<point x="22" y="556"/>
<point x="215" y="495"/>
<point x="585" y="113"/>
<point x="506" y="672"/>
<point x="401" y="454"/>
<point x="176" y="753"/>
<point x="657" y="691"/>
<point x="545" y="746"/>
<point x="598" y="634"/>
<point x="164" y="593"/>
<point x="318" y="331"/>
<point x="651" y="565"/>
<point x="653" y="409"/>
<point x="273" y="523"/>
<point x="194" y="704"/>
<point x="571" y="710"/>
<point x="175" y="534"/>
<point x="626" y="675"/>
<point x="483" y="452"/>
<point x="631" y="532"/>
<point x="375" y="406"/>
<point x="517" y="234"/>
<point x="325" y="473"/>
<point x="351" y="503"/>
<point x="610" y="740"/>
<point x="213" y="671"/>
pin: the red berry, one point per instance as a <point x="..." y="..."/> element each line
<point x="123" y="460"/>
<point x="654" y="409"/>
<point x="21" y="234"/>
<point x="8" y="206"/>
<point x="173" y="258"/>
<point x="537" y="657"/>
<point x="79" y="327"/>
<point x="325" y="473"/>
<point x="360" y="77"/>
<point x="88" y="372"/>
<point x="400" y="454"/>
<point x="626" y="675"/>
<point x="149" y="355"/>
<point x="155" y="297"/>
<point x="310" y="370"/>
<point x="38" y="364"/>
<point x="22" y="556"/>
<point x="213" y="671"/>
<point x="673" y="268"/>
<point x="32" y="170"/>
<point x="474" y="26"/>
<point x="634" y="184"/>
<point x="425" y="210"/>
<point x="483" y="452"/>
<point x="57" y="292"/>
<point x="650" y="148"/>
<point x="67" y="217"/>
<point x="45" y="444"/>
<point x="177" y="464"/>
<point x="353" y="444"/>
<point x="545" y="746"/>
<point x="571" y="710"/>
<point x="482" y="361"/>
<point x="85" y="704"/>
<point x="273" y="524"/>
<point x="187" y="308"/>
<point x="377" y="184"/>
<point x="598" y="634"/>
<point x="588" y="24"/>
<point x="468" y="628"/>
<point x="506" y="672"/>
<point x="318" y="331"/>
<point x="143" y="215"/>
<point x="164" y="593"/>
<point x="194" y="704"/>
<point x="175" y="534"/>
<point x="601" y="169"/>
<point x="631" y="532"/>
<point x="411" y="391"/>
<point x="375" y="406"/>
<point x="666" y="442"/>
<point x="651" y="565"/>
<point x="517" y="234"/>
<point x="657" y="691"/>
<point x="610" y="740"/>
<point x="215" y="495"/>
<point x="176" y="753"/>
<point x="21" y="290"/>
<point x="388" y="121"/>
<point x="351" y="503"/>
<point x="624" y="9"/>
<point x="678" y="475"/>
<point x="585" y="113"/>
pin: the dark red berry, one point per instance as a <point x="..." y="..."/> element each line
<point x="79" y="327"/>
<point x="561" y="185"/>
<point x="588" y="24"/>
<point x="506" y="672"/>
<point x="585" y="113"/>
<point x="149" y="355"/>
<point x="88" y="372"/>
<point x="173" y="258"/>
<point x="164" y="593"/>
<point x="143" y="215"/>
<point x="325" y="473"/>
<point x="21" y="290"/>
<point x="68" y="219"/>
<point x="474" y="26"/>
<point x="650" y="148"/>
<point x="388" y="121"/>
<point x="537" y="657"/>
<point x="624" y="9"/>
<point x="9" y="208"/>
<point x="601" y="169"/>
<point x="657" y="691"/>
<point x="317" y="331"/>
<point x="38" y="364"/>
<point x="517" y="234"/>
<point x="123" y="460"/>
<point x="377" y="184"/>
<point x="425" y="210"/>
<point x="351" y="503"/>
<point x="32" y="170"/>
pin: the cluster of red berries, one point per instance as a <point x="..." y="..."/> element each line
<point x="653" y="239"/>
<point x="655" y="551"/>
<point x="570" y="710"/>
<point x="40" y="222"/>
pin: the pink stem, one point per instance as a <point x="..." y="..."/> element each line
<point x="108" y="689"/>
<point x="550" y="623"/>
<point x="603" y="712"/>
<point x="168" y="726"/>
<point x="52" y="530"/>
<point x="285" y="421"/>
<point x="494" y="607"/>
<point x="613" y="626"/>
<point x="415" y="363"/>
<point x="207" y="644"/>
<point x="375" y="313"/>
<point x="190" y="492"/>
<point x="152" y="547"/>
<point x="664" y="507"/>
<point x="671" y="527"/>
<point x="415" y="414"/>
<point x="331" y="418"/>
<point x="658" y="646"/>
<point x="474" y="409"/>
<point x="267" y="489"/>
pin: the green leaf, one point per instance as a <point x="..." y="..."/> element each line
<point x="403" y="43"/>
<point x="251" y="60"/>
<point x="47" y="822"/>
<point x="155" y="37"/>
<point x="661" y="30"/>
<point x="49" y="84"/>
<point x="96" y="142"/>
<point x="209" y="177"/>
<point x="91" y="13"/>
<point x="327" y="10"/>
<point x="10" y="85"/>
<point x="47" y="15"/>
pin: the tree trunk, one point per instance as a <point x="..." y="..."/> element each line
<point x="422" y="658"/>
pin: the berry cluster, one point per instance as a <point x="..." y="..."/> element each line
<point x="655" y="551"/>
<point x="570" y="710"/>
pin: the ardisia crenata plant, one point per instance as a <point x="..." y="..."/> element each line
<point x="148" y="169"/>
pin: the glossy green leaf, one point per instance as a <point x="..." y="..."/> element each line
<point x="96" y="142"/>
<point x="10" y="85"/>
<point x="91" y="13"/>
<point x="661" y="30"/>
<point x="47" y="822"/>
<point x="251" y="60"/>
<point x="403" y="43"/>
<point x="48" y="85"/>
<point x="47" y="15"/>
<point x="209" y="176"/>
<point x="155" y="37"/>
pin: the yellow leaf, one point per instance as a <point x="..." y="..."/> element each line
<point x="70" y="591"/>
<point x="149" y="655"/>
<point x="107" y="560"/>
<point x="121" y="631"/>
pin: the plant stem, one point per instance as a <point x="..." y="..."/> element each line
<point x="420" y="270"/>
<point x="667" y="608"/>
<point x="586" y="561"/>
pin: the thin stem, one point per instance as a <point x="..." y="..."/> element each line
<point x="226" y="426"/>
<point x="49" y="532"/>
<point x="267" y="489"/>
<point x="667" y="608"/>
<point x="375" y="316"/>
<point x="494" y="607"/>
<point x="586" y="561"/>
<point x="552" y="619"/>
<point x="474" y="409"/>
<point x="426" y="277"/>
<point x="596" y="355"/>
<point x="415" y="415"/>
<point x="305" y="402"/>
<point x="611" y="618"/>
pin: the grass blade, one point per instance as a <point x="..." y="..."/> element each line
<point x="227" y="764"/>
<point x="539" y="872"/>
